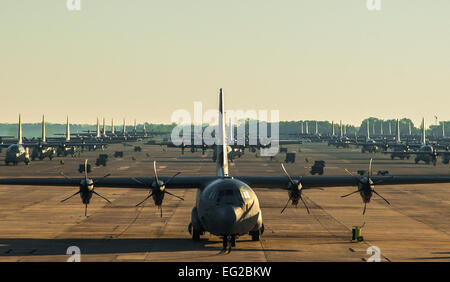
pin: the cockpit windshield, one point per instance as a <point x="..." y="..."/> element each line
<point x="227" y="196"/>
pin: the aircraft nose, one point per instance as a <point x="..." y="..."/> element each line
<point x="227" y="217"/>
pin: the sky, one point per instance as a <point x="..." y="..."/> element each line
<point x="143" y="59"/>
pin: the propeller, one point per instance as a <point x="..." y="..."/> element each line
<point x="86" y="189"/>
<point x="295" y="191"/>
<point x="366" y="186"/>
<point x="158" y="189"/>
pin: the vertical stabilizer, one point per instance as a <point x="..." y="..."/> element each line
<point x="98" y="129"/>
<point x="68" y="130"/>
<point x="398" y="132"/>
<point x="222" y="152"/>
<point x="341" y="133"/>
<point x="43" y="138"/>
<point x="134" y="127"/>
<point x="19" y="134"/>
<point x="423" y="132"/>
<point x="368" y="130"/>
<point x="124" y="130"/>
<point x="332" y="128"/>
<point x="112" y="126"/>
<point x="104" y="127"/>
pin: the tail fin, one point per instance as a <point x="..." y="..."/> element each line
<point x="134" y="128"/>
<point x="398" y="131"/>
<point x="222" y="152"/>
<point x="112" y="126"/>
<point x="368" y="131"/>
<point x="44" y="138"/>
<point x="98" y="129"/>
<point x="423" y="132"/>
<point x="104" y="127"/>
<point x="68" y="130"/>
<point x="19" y="135"/>
<point x="124" y="131"/>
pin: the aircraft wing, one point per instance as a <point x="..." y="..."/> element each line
<point x="186" y="182"/>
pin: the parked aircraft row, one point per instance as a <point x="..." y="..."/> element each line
<point x="227" y="206"/>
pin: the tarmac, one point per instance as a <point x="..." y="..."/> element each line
<point x="36" y="226"/>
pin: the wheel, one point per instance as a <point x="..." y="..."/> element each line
<point x="7" y="163"/>
<point x="255" y="235"/>
<point x="233" y="240"/>
<point x="195" y="235"/>
<point x="225" y="242"/>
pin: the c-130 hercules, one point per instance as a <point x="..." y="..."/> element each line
<point x="226" y="206"/>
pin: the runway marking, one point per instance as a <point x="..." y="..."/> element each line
<point x="123" y="167"/>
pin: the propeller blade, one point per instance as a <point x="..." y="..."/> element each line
<point x="307" y="209"/>
<point x="99" y="180"/>
<point x="351" y="193"/>
<point x="85" y="210"/>
<point x="350" y="173"/>
<point x="145" y="199"/>
<point x="165" y="191"/>
<point x="85" y="169"/>
<point x="364" y="211"/>
<point x="287" y="203"/>
<point x="370" y="168"/>
<point x="160" y="210"/>
<point x="101" y="196"/>
<point x="65" y="176"/>
<point x="168" y="181"/>
<point x="288" y="176"/>
<point x="156" y="174"/>
<point x="381" y="197"/>
<point x="70" y="196"/>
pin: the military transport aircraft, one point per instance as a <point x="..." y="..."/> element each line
<point x="225" y="206"/>
<point x="17" y="153"/>
<point x="426" y="152"/>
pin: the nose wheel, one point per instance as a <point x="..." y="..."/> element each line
<point x="229" y="241"/>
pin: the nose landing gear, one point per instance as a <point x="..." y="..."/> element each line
<point x="228" y="242"/>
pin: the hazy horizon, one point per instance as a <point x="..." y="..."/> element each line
<point x="310" y="59"/>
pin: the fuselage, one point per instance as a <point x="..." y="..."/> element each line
<point x="43" y="151"/>
<point x="426" y="154"/>
<point x="228" y="206"/>
<point x="17" y="153"/>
